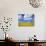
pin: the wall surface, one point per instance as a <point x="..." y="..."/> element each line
<point x="11" y="8"/>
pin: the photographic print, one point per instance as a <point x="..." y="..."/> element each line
<point x="25" y="19"/>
